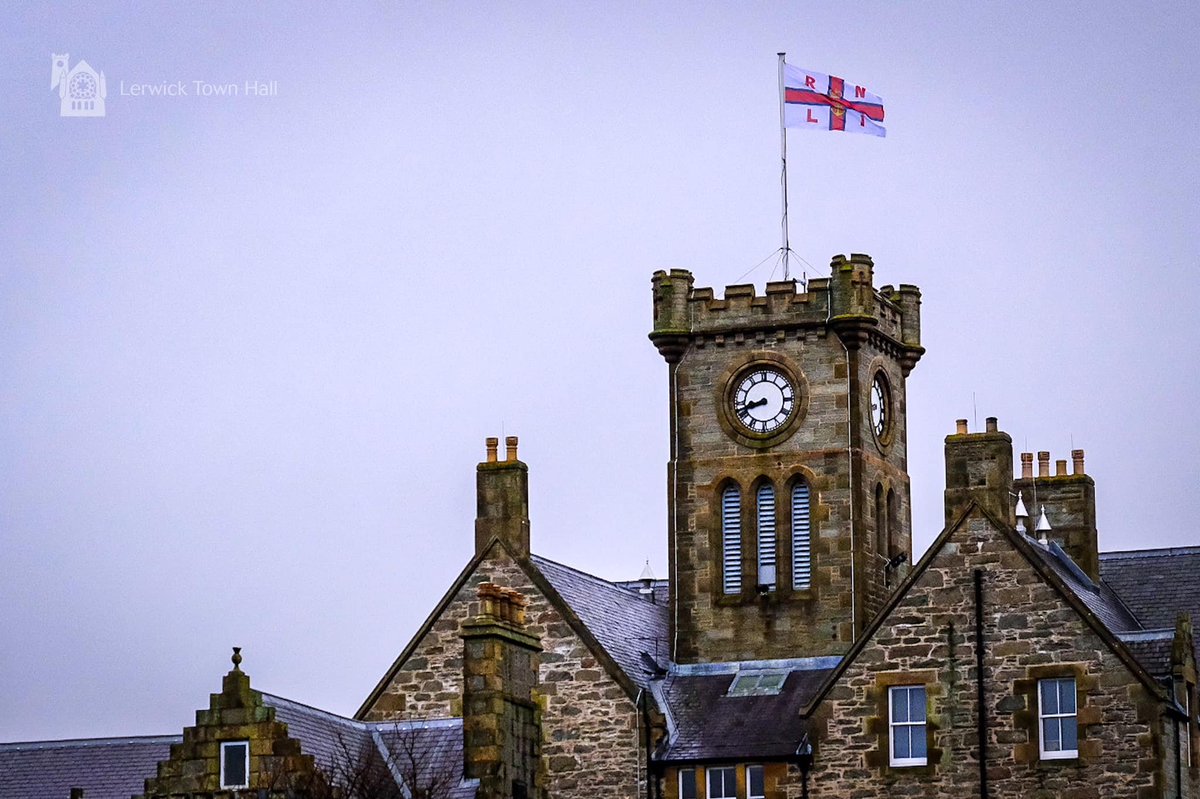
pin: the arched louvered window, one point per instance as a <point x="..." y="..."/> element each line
<point x="801" y="537"/>
<point x="766" y="536"/>
<point x="731" y="540"/>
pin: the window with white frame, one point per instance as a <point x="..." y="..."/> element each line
<point x="801" y="537"/>
<point x="756" y="787"/>
<point x="235" y="764"/>
<point x="766" y="537"/>
<point x="731" y="540"/>
<point x="906" y="725"/>
<point x="687" y="783"/>
<point x="1058" y="724"/>
<point x="722" y="782"/>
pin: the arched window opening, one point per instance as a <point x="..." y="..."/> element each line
<point x="881" y="534"/>
<point x="893" y="536"/>
<point x="766" y="538"/>
<point x="731" y="540"/>
<point x="801" y="537"/>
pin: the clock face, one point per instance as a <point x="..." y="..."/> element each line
<point x="763" y="400"/>
<point x="881" y="405"/>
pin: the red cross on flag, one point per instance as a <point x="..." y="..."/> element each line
<point x="823" y="102"/>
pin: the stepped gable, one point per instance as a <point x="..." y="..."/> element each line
<point x="105" y="768"/>
<point x="329" y="738"/>
<point x="706" y="723"/>
<point x="624" y="622"/>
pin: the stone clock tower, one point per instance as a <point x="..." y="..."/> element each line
<point x="789" y="517"/>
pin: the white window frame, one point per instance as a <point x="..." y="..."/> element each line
<point x="695" y="783"/>
<point x="725" y="771"/>
<point x="246" y="767"/>
<point x="908" y="724"/>
<point x="1043" y="717"/>
<point x="762" y="776"/>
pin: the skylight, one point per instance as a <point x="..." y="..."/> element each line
<point x="757" y="683"/>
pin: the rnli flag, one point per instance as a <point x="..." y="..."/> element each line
<point x="823" y="102"/>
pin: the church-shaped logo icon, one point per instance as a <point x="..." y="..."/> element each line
<point x="80" y="89"/>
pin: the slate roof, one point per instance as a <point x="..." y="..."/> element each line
<point x="705" y="724"/>
<point x="1099" y="598"/>
<point x="421" y="750"/>
<point x="624" y="622"/>
<point x="106" y="768"/>
<point x="436" y="745"/>
<point x="1156" y="584"/>
<point x="1152" y="648"/>
<point x="116" y="768"/>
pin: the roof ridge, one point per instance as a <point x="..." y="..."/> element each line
<point x="581" y="572"/>
<point x="62" y="743"/>
<point x="322" y="711"/>
<point x="1156" y="552"/>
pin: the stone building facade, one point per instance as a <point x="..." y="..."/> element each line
<point x="795" y="649"/>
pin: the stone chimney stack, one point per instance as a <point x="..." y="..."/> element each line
<point x="1070" y="501"/>
<point x="502" y="499"/>
<point x="979" y="468"/>
<point x="501" y="721"/>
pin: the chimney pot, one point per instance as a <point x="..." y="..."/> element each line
<point x="1026" y="465"/>
<point x="1077" y="458"/>
<point x="492" y="445"/>
<point x="510" y="445"/>
<point x="1043" y="464"/>
<point x="1060" y="468"/>
<point x="992" y="424"/>
<point x="961" y="427"/>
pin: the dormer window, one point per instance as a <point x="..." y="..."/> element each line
<point x="235" y="764"/>
<point x="757" y="683"/>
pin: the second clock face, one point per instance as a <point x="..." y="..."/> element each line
<point x="763" y="400"/>
<point x="880" y="406"/>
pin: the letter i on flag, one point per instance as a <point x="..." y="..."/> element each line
<point x="822" y="102"/>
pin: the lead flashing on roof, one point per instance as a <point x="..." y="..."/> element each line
<point x="786" y="664"/>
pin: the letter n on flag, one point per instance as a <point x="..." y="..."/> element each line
<point x="823" y="102"/>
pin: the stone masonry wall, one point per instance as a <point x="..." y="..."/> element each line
<point x="1030" y="632"/>
<point x="710" y="342"/>
<point x="589" y="724"/>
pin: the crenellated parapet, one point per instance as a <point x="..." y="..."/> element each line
<point x="846" y="302"/>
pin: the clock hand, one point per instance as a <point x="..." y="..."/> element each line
<point x="754" y="404"/>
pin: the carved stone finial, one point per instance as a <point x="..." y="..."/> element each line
<point x="237" y="658"/>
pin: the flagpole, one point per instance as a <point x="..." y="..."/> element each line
<point x="783" y="178"/>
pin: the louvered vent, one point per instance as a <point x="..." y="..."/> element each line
<point x="801" y="537"/>
<point x="766" y="537"/>
<point x="731" y="540"/>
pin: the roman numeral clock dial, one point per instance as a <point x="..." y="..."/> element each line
<point x="763" y="400"/>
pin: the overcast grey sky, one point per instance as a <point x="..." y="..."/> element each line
<point x="252" y="344"/>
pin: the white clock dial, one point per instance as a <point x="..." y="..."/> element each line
<point x="763" y="400"/>
<point x="880" y="405"/>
